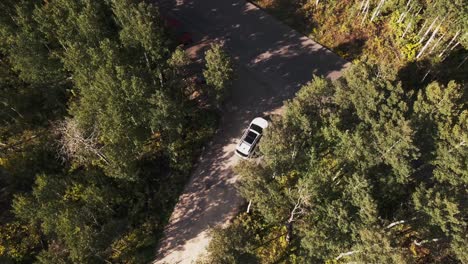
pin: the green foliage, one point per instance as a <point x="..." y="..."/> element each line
<point x="141" y="28"/>
<point x="133" y="245"/>
<point x="409" y="44"/>
<point x="350" y="157"/>
<point x="28" y="50"/>
<point x="247" y="240"/>
<point x="18" y="241"/>
<point x="179" y="59"/>
<point x="383" y="252"/>
<point x="218" y="72"/>
<point x="229" y="245"/>
<point x="115" y="103"/>
<point x="74" y="209"/>
<point x="24" y="105"/>
<point x="392" y="40"/>
<point x="97" y="133"/>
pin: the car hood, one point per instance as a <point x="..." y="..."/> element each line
<point x="243" y="148"/>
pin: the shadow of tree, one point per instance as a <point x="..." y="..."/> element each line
<point x="351" y="49"/>
<point x="418" y="74"/>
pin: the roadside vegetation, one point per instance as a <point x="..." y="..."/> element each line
<point x="219" y="74"/>
<point x="98" y="130"/>
<point x="101" y="122"/>
<point x="357" y="170"/>
<point x="417" y="41"/>
<point x="370" y="168"/>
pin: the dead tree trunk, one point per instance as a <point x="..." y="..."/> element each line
<point x="365" y="11"/>
<point x="420" y="243"/>
<point x="406" y="29"/>
<point x="450" y="43"/>
<point x="297" y="210"/>
<point x="377" y="10"/>
<point x="422" y="28"/>
<point x="361" y="6"/>
<point x="463" y="61"/>
<point x="428" y="41"/>
<point x="347" y="254"/>
<point x="425" y="75"/>
<point x="405" y="14"/>
<point x="410" y="23"/>
<point x="436" y="43"/>
<point x="407" y="10"/>
<point x="399" y="222"/>
<point x="428" y="30"/>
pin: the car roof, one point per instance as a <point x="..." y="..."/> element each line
<point x="260" y="122"/>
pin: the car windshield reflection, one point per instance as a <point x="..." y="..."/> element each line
<point x="250" y="137"/>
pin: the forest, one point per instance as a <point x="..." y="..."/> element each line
<point x="101" y="124"/>
<point x="358" y="170"/>
<point x="98" y="129"/>
<point x="372" y="167"/>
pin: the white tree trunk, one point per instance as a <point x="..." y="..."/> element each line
<point x="248" y="207"/>
<point x="347" y="254"/>
<point x="428" y="30"/>
<point x="361" y="7"/>
<point x="377" y="10"/>
<point x="428" y="41"/>
<point x="399" y="222"/>
<point x="365" y="11"/>
<point x="461" y="63"/>
<point x="395" y="224"/>
<point x="406" y="29"/>
<point x="436" y="43"/>
<point x="422" y="28"/>
<point x="425" y="75"/>
<point x="425" y="241"/>
<point x="417" y="13"/>
<point x="407" y="4"/>
<point x="454" y="45"/>
<point x="450" y="43"/>
<point x="404" y="12"/>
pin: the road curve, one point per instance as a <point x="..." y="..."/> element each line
<point x="272" y="62"/>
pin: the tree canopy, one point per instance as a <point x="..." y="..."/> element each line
<point x="97" y="130"/>
<point x="363" y="170"/>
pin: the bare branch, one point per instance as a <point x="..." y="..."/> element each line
<point x="248" y="207"/>
<point x="399" y="223"/>
<point x="420" y="243"/>
<point x="75" y="144"/>
<point x="347" y="254"/>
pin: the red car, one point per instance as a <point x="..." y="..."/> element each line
<point x="183" y="37"/>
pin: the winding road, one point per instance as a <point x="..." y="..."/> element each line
<point x="272" y="62"/>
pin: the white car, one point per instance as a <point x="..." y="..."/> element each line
<point x="250" y="138"/>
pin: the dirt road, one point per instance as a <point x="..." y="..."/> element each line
<point x="272" y="62"/>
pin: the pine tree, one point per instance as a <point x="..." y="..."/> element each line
<point x="218" y="72"/>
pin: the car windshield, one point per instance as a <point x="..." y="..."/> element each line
<point x="250" y="137"/>
<point x="256" y="128"/>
